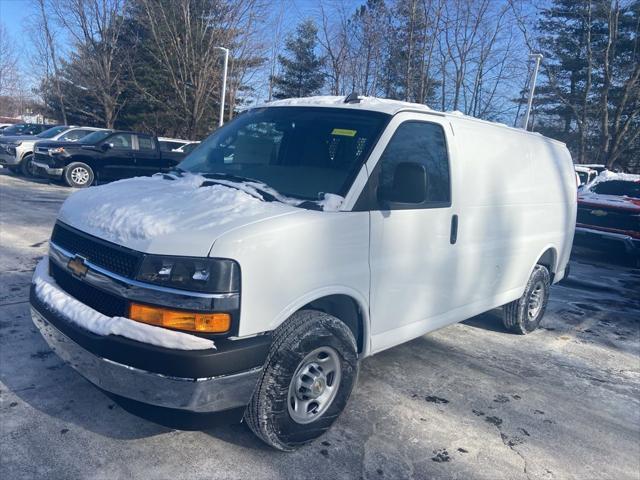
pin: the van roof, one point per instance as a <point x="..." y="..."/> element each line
<point x="385" y="105"/>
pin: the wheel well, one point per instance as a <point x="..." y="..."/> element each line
<point x="346" y="309"/>
<point x="548" y="259"/>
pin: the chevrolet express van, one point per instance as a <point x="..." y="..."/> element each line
<point x="298" y="239"/>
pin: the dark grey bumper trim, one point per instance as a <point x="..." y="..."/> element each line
<point x="209" y="394"/>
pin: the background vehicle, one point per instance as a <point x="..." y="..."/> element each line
<point x="585" y="174"/>
<point x="8" y="143"/>
<point x="24" y="129"/>
<point x="104" y="155"/>
<point x="23" y="149"/>
<point x="609" y="213"/>
<point x="300" y="238"/>
<point x="187" y="148"/>
<point x="172" y="144"/>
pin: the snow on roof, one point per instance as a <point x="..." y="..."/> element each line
<point x="387" y="106"/>
<point x="366" y="103"/>
<point x="608" y="175"/>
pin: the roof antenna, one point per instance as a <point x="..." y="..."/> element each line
<point x="352" y="98"/>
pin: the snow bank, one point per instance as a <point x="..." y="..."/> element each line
<point x="146" y="207"/>
<point x="86" y="317"/>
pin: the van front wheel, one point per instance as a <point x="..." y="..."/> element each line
<point x="525" y="314"/>
<point x="306" y="382"/>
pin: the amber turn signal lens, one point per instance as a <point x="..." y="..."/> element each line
<point x="180" y="320"/>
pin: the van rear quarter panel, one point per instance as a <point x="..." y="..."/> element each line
<point x="516" y="198"/>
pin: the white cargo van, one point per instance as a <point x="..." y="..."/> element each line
<point x="298" y="239"/>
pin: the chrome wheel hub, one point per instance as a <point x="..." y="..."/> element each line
<point x="80" y="175"/>
<point x="314" y="385"/>
<point x="535" y="301"/>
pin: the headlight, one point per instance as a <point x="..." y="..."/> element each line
<point x="210" y="275"/>
<point x="15" y="144"/>
<point x="56" y="151"/>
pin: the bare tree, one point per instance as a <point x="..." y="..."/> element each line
<point x="185" y="35"/>
<point x="9" y="76"/>
<point x="50" y="52"/>
<point x="95" y="27"/>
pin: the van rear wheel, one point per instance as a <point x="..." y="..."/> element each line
<point x="525" y="314"/>
<point x="306" y="382"/>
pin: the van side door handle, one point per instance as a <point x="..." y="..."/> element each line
<point x="453" y="237"/>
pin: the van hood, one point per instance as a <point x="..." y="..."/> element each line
<point x="165" y="214"/>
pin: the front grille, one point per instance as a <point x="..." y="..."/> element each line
<point x="42" y="158"/>
<point x="109" y="256"/>
<point x="608" y="218"/>
<point x="103" y="302"/>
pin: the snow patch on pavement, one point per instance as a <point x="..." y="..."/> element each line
<point x="48" y="292"/>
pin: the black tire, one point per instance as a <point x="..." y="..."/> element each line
<point x="26" y="168"/>
<point x="75" y="172"/>
<point x="268" y="413"/>
<point x="516" y="316"/>
<point x="13" y="169"/>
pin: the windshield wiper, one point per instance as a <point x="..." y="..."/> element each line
<point x="250" y="183"/>
<point x="230" y="176"/>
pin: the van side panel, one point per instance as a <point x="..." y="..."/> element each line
<point x="517" y="199"/>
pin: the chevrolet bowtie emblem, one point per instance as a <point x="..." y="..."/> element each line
<point x="77" y="266"/>
<point x="598" y="213"/>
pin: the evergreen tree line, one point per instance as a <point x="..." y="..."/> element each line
<point x="153" y="65"/>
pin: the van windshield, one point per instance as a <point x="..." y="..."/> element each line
<point x="302" y="152"/>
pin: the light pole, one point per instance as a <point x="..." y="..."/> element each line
<point x="537" y="57"/>
<point x="224" y="83"/>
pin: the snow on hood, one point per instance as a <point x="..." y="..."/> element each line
<point x="143" y="208"/>
<point x="136" y="211"/>
<point x="86" y="317"/>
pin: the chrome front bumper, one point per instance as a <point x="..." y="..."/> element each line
<point x="52" y="172"/>
<point x="6" y="158"/>
<point x="631" y="245"/>
<point x="210" y="394"/>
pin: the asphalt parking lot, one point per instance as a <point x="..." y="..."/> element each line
<point x="469" y="401"/>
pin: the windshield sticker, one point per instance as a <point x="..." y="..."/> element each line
<point x="344" y="132"/>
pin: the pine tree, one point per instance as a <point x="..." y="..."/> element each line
<point x="301" y="68"/>
<point x="590" y="91"/>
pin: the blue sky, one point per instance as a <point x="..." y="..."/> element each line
<point x="13" y="14"/>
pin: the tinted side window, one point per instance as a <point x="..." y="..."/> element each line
<point x="168" y="146"/>
<point x="74" y="135"/>
<point x="423" y="143"/>
<point x="121" y="140"/>
<point x="146" y="143"/>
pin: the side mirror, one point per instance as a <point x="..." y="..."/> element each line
<point x="409" y="185"/>
<point x="106" y="146"/>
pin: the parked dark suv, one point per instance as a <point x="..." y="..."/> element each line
<point x="104" y="156"/>
<point x="24" y="129"/>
